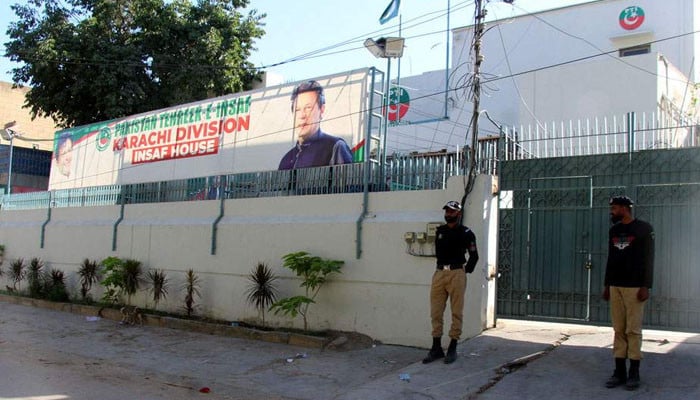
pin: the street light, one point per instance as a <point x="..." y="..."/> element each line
<point x="9" y="134"/>
<point x="389" y="47"/>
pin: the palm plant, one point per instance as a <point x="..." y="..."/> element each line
<point x="56" y="286"/>
<point x="159" y="285"/>
<point x="17" y="272"/>
<point x="34" y="277"/>
<point x="89" y="275"/>
<point x="191" y="290"/>
<point x="132" y="278"/>
<point x="261" y="291"/>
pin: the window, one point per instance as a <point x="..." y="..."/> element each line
<point x="635" y="50"/>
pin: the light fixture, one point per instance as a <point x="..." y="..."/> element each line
<point x="6" y="132"/>
<point x="385" y="47"/>
<point x="9" y="134"/>
<point x="374" y="48"/>
<point x="394" y="47"/>
<point x="390" y="47"/>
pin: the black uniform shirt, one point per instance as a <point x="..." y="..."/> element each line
<point x="630" y="255"/>
<point x="451" y="245"/>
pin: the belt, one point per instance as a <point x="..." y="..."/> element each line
<point x="449" y="266"/>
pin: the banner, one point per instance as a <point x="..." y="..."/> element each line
<point x="242" y="132"/>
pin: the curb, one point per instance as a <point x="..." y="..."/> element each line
<point x="113" y="314"/>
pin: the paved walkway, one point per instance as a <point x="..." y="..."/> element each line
<point x="51" y="355"/>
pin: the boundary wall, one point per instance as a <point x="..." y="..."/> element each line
<point x="384" y="293"/>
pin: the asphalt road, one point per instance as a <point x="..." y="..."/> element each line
<point x="52" y="355"/>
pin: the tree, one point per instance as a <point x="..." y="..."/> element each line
<point x="94" y="60"/>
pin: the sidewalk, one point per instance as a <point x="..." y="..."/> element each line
<point x="50" y="353"/>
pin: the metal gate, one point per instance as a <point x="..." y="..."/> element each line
<point x="553" y="228"/>
<point x="559" y="211"/>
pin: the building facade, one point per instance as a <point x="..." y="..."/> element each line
<point x="542" y="72"/>
<point x="31" y="149"/>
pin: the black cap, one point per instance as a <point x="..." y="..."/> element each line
<point x="621" y="201"/>
<point x="452" y="205"/>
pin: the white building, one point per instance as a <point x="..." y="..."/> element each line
<point x="576" y="68"/>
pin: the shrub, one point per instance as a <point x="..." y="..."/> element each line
<point x="191" y="291"/>
<point x="2" y="257"/>
<point x="34" y="278"/>
<point x="17" y="272"/>
<point x="132" y="278"/>
<point x="112" y="279"/>
<point x="56" y="286"/>
<point x="159" y="285"/>
<point x="315" y="272"/>
<point x="261" y="291"/>
<point x="89" y="275"/>
<point x="120" y="277"/>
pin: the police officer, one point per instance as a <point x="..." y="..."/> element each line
<point x="453" y="240"/>
<point x="629" y="275"/>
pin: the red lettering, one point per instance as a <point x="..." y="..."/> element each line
<point x="236" y="124"/>
<point x="180" y="134"/>
<point x="244" y="123"/>
<point x="118" y="144"/>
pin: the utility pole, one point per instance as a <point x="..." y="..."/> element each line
<point x="479" y="15"/>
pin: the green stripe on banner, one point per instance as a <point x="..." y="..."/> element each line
<point x="358" y="152"/>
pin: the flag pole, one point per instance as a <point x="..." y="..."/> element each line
<point x="398" y="69"/>
<point x="398" y="80"/>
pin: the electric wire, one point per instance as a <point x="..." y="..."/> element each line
<point x="468" y="83"/>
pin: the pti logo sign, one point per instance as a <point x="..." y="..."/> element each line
<point x="631" y="18"/>
<point x="104" y="137"/>
<point x="399" y="102"/>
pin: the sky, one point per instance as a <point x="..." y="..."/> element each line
<point x="311" y="38"/>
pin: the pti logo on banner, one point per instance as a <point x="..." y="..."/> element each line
<point x="399" y="103"/>
<point x="104" y="138"/>
<point x="631" y="18"/>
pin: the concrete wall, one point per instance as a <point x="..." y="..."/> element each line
<point x="383" y="294"/>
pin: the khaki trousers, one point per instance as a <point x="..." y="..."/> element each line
<point x="447" y="284"/>
<point x="626" y="313"/>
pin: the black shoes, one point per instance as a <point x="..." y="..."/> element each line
<point x="451" y="352"/>
<point x="632" y="382"/>
<point x="633" y="378"/>
<point x="434" y="354"/>
<point x="615" y="380"/>
<point x="620" y="376"/>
